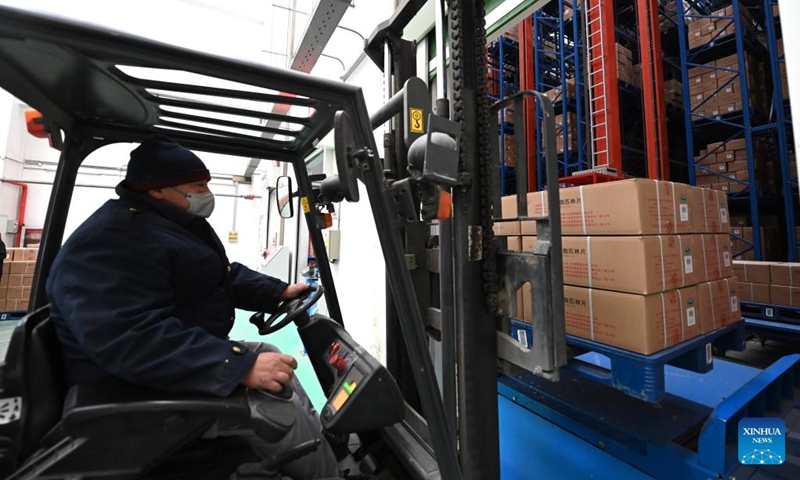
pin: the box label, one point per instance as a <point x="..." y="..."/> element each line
<point x="688" y="266"/>
<point x="723" y="213"/>
<point x="709" y="356"/>
<point x="522" y="337"/>
<point x="734" y="304"/>
<point x="684" y="213"/>
<point x="770" y="313"/>
<point x="690" y="317"/>
<point x="726" y="257"/>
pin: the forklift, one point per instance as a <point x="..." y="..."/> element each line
<point x="501" y="406"/>
<point x="74" y="74"/>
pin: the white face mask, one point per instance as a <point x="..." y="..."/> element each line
<point x="200" y="204"/>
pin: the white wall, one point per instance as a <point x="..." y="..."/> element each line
<point x="100" y="185"/>
<point x="790" y="21"/>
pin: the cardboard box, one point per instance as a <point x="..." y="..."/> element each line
<point x="514" y="244"/>
<point x="27" y="280"/>
<point x="18" y="267"/>
<point x="26" y="292"/>
<point x="508" y="207"/>
<point x="752" y="271"/>
<point x="652" y="264"/>
<point x="714" y="307"/>
<point x="640" y="323"/>
<point x="716" y="255"/>
<point x="4" y="280"/>
<point x="6" y="266"/>
<point x="29" y="254"/>
<point x="3" y="293"/>
<point x="709" y="217"/>
<point x="527" y="227"/>
<point x="754" y="292"/>
<point x="30" y="267"/>
<point x="785" y="274"/>
<point x="781" y="295"/>
<point x="14" y="293"/>
<point x="21" y="304"/>
<point x="627" y="207"/>
<point x="3" y="307"/>
<point x="506" y="228"/>
<point x="528" y="242"/>
<point x="14" y="280"/>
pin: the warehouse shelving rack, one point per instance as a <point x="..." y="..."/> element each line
<point x="503" y="64"/>
<point x="747" y="124"/>
<point x="558" y="56"/>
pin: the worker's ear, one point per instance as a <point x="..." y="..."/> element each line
<point x="156" y="193"/>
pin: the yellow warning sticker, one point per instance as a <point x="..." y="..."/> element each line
<point x="306" y="207"/>
<point x="417" y="122"/>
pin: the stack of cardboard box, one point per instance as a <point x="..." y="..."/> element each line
<point x="15" y="285"/>
<point x="710" y="29"/>
<point x="647" y="264"/>
<point x="673" y="92"/>
<point x="566" y="132"/>
<point x="625" y="71"/>
<point x="554" y="94"/>
<point x="720" y="165"/>
<point x="510" y="146"/>
<point x="716" y="88"/>
<point x="774" y="283"/>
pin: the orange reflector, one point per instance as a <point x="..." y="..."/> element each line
<point x="35" y="123"/>
<point x="445" y="205"/>
<point x="328" y="219"/>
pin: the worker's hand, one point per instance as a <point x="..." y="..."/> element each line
<point x="272" y="371"/>
<point x="294" y="290"/>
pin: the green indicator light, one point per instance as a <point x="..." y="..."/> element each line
<point x="349" y="388"/>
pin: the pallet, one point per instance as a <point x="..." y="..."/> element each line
<point x="637" y="375"/>
<point x="771" y="313"/>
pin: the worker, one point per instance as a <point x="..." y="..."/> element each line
<point x="143" y="292"/>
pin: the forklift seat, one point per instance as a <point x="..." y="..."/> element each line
<point x="108" y="430"/>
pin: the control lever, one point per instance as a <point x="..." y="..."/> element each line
<point x="336" y="361"/>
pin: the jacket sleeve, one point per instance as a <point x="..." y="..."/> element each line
<point x="255" y="291"/>
<point x="113" y="290"/>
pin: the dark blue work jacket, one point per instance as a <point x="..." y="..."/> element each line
<point x="143" y="291"/>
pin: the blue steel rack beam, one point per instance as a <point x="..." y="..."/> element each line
<point x="689" y="60"/>
<point x="553" y="65"/>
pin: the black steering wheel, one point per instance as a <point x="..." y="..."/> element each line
<point x="292" y="308"/>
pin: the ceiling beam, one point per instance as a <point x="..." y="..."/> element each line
<point x="321" y="26"/>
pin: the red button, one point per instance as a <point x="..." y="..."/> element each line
<point x="338" y="363"/>
<point x="334" y="348"/>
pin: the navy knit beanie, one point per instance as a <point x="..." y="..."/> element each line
<point x="162" y="162"/>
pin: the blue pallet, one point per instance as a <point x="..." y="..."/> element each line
<point x="642" y="376"/>
<point x="773" y="313"/>
<point x="786" y="332"/>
